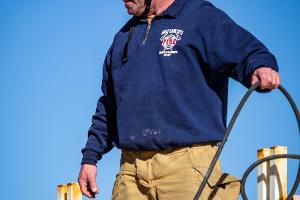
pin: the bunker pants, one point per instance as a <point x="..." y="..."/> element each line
<point x="172" y="175"/>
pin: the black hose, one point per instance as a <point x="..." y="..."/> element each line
<point x="227" y="133"/>
<point x="260" y="161"/>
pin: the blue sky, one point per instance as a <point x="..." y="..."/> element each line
<point x="51" y="55"/>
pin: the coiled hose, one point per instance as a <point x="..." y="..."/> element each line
<point x="254" y="165"/>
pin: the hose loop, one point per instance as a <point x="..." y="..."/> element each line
<point x="254" y="165"/>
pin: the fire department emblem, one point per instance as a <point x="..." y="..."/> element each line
<point x="168" y="40"/>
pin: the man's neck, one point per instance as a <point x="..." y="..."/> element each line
<point x="157" y="7"/>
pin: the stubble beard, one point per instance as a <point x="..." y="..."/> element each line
<point x="134" y="8"/>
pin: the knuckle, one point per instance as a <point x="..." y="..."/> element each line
<point x="271" y="78"/>
<point x="266" y="79"/>
<point x="263" y="76"/>
<point x="80" y="179"/>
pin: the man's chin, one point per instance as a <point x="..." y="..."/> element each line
<point x="133" y="12"/>
<point x="130" y="12"/>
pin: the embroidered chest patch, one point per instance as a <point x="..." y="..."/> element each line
<point x="168" y="40"/>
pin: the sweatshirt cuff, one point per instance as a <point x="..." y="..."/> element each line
<point x="90" y="157"/>
<point x="270" y="63"/>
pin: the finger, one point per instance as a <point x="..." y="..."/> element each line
<point x="85" y="191"/>
<point x="266" y="79"/>
<point x="274" y="79"/>
<point x="263" y="81"/>
<point x="91" y="192"/>
<point x="93" y="185"/>
<point x="277" y="77"/>
<point x="84" y="188"/>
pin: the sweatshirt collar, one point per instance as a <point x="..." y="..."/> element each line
<point x="174" y="9"/>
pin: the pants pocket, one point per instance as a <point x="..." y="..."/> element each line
<point x="116" y="186"/>
<point x="220" y="186"/>
<point x="198" y="180"/>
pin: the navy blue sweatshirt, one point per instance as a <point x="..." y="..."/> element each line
<point x="165" y="84"/>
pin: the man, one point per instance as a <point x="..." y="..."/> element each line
<point x="164" y="100"/>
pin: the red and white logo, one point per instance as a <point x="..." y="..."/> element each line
<point x="168" y="40"/>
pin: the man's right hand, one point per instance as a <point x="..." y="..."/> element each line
<point x="87" y="180"/>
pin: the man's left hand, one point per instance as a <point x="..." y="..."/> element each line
<point x="269" y="79"/>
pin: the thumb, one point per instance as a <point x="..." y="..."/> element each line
<point x="254" y="79"/>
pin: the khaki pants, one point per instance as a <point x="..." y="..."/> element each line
<point x="172" y="175"/>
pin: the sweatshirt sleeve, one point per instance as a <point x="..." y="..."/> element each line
<point x="234" y="51"/>
<point x="102" y="131"/>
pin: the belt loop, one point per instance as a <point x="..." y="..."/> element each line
<point x="188" y="148"/>
<point x="136" y="162"/>
<point x="190" y="155"/>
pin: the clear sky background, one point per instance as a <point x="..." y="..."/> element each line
<point x="51" y="55"/>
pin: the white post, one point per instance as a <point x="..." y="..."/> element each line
<point x="272" y="175"/>
<point x="263" y="176"/>
<point x="74" y="192"/>
<point x="62" y="191"/>
<point x="71" y="191"/>
<point x="278" y="174"/>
